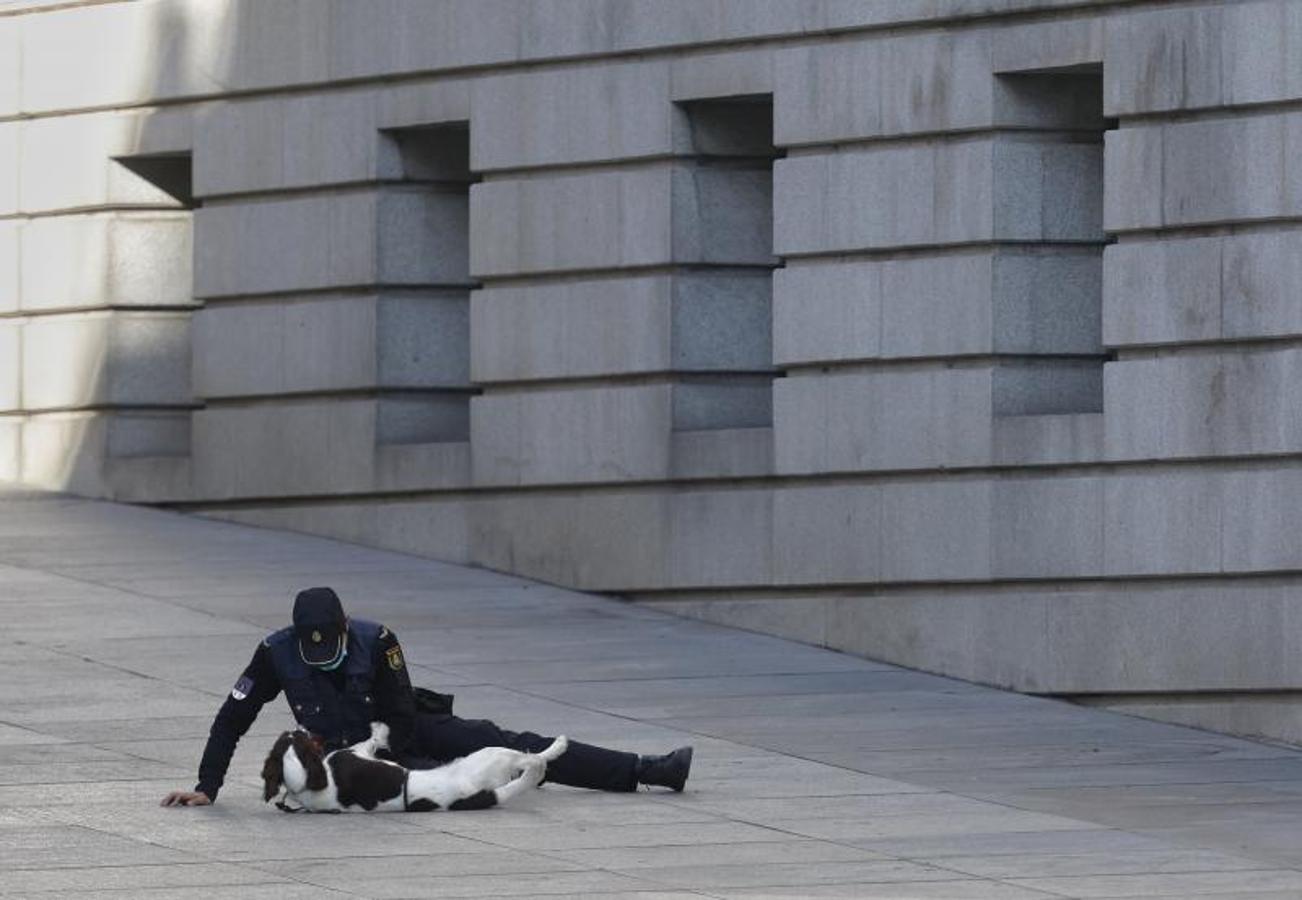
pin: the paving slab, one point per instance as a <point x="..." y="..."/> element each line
<point x="817" y="774"/>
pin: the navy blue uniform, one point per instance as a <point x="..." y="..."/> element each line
<point x="372" y="684"/>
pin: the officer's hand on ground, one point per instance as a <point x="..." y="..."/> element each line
<point x="186" y="798"/>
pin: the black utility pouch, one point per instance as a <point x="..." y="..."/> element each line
<point x="428" y="701"/>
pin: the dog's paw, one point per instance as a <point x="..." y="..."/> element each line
<point x="380" y="734"/>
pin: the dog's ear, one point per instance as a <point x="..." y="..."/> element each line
<point x="273" y="770"/>
<point x="309" y="750"/>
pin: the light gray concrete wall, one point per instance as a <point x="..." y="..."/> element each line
<point x="961" y="335"/>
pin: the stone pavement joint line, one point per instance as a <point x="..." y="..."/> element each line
<point x="816" y="775"/>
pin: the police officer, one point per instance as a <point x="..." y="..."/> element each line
<point x="341" y="674"/>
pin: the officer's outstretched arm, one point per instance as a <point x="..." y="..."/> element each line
<point x="256" y="686"/>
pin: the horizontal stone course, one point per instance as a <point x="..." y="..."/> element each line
<point x="333" y="449"/>
<point x="280" y="143"/>
<point x="1205" y="405"/>
<point x="1049" y="45"/>
<point x="976" y="302"/>
<point x="81" y="58"/>
<point x="535" y="538"/>
<point x="97" y="359"/>
<point x="78" y="167"/>
<point x="574" y="328"/>
<point x="1055" y="526"/>
<point x="573" y="115"/>
<point x="692" y="321"/>
<point x="605" y="433"/>
<point x="597" y="221"/>
<point x="1204" y="56"/>
<point x="1088" y="640"/>
<point x="137" y="455"/>
<point x="888" y="419"/>
<point x="297" y="141"/>
<point x="1230" y="170"/>
<point x="331" y="343"/>
<point x="117" y="260"/>
<point x="875" y="86"/>
<point x="649" y="215"/>
<point x="1204" y="172"/>
<point x="1224" y="287"/>
<point x="932" y="528"/>
<point x="388" y="236"/>
<point x="736" y="73"/>
<point x="935" y="193"/>
<point x="221" y="47"/>
<point x="883" y="86"/>
<point x="925" y="416"/>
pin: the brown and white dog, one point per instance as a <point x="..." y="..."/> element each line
<point x="353" y="779"/>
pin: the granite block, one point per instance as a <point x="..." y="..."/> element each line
<point x="570" y="328"/>
<point x="1048" y="527"/>
<point x="571" y="222"/>
<point x="575" y="114"/>
<point x="121" y="260"/>
<point x="1160" y="523"/>
<point x="106" y="359"/>
<point x="10" y="254"/>
<point x="706" y="402"/>
<point x="1132" y="178"/>
<point x="578" y="434"/>
<point x="827" y="534"/>
<point x="1163" y="292"/>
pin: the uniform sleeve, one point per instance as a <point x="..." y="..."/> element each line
<point x="256" y="686"/>
<point x="393" y="697"/>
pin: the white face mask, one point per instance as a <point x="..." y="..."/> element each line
<point x="337" y="663"/>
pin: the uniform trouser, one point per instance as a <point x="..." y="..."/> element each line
<point x="439" y="738"/>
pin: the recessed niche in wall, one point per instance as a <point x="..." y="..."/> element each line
<point x="723" y="244"/>
<point x="1048" y="291"/>
<point x="424" y="327"/>
<point x="148" y="288"/>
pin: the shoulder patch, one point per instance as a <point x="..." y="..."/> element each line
<point x="242" y="688"/>
<point x="394" y="656"/>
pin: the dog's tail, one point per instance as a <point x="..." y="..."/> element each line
<point x="558" y="746"/>
<point x="535" y="769"/>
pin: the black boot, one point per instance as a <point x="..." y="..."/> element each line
<point x="669" y="771"/>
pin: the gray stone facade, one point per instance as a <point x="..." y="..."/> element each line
<point x="960" y="335"/>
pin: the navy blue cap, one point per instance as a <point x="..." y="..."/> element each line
<point x="320" y="624"/>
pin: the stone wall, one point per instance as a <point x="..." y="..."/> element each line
<point x="961" y="335"/>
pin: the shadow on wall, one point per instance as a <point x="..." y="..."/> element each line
<point x="99" y="350"/>
<point x="107" y="386"/>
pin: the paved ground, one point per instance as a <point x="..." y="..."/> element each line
<point x="817" y="774"/>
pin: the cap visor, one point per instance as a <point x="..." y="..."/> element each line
<point x="323" y="654"/>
